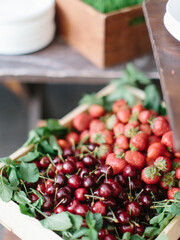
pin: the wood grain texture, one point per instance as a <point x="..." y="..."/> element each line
<point x="105" y="39"/>
<point x="167" y="55"/>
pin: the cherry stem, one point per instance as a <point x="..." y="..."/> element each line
<point x="92" y="196"/>
<point x="51" y="160"/>
<point x="112" y="219"/>
<point x="59" y="203"/>
<point x="138" y="194"/>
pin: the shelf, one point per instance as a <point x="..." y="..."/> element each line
<point x="166" y="51"/>
<point x="61" y="64"/>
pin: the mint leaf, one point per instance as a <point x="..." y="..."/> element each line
<point x="6" y="191"/>
<point x="55" y="128"/>
<point x="175" y="208"/>
<point x="136" y="237"/>
<point x="29" y="157"/>
<point x="99" y="221"/>
<point x="126" y="236"/>
<point x="162" y="237"/>
<point x="13" y="179"/>
<point x="33" y="137"/>
<point x="80" y="233"/>
<point x="90" y="219"/>
<point x="29" y="172"/>
<point x="26" y="210"/>
<point x="157" y="219"/>
<point x="91" y="99"/>
<point x="57" y="222"/>
<point x="76" y="220"/>
<point x="153" y="98"/>
<point x="6" y="160"/>
<point x="93" y="235"/>
<point x="177" y="196"/>
<point x="21" y="198"/>
<point x="165" y="221"/>
<point x="46" y="147"/>
<point x="54" y="144"/>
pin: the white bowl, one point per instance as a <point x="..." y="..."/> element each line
<point x="173" y="8"/>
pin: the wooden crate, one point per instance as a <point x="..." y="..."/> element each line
<point x="28" y="228"/>
<point x="105" y="39"/>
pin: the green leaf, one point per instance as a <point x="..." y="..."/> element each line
<point x="93" y="234"/>
<point x="46" y="147"/>
<point x="29" y="157"/>
<point x="153" y="98"/>
<point x="165" y="221"/>
<point x="26" y="210"/>
<point x="54" y="144"/>
<point x="33" y="137"/>
<point x="55" y="128"/>
<point x="136" y="237"/>
<point x="29" y="172"/>
<point x="151" y="231"/>
<point x="177" y="196"/>
<point x="157" y="219"/>
<point x="162" y="237"/>
<point x="76" y="220"/>
<point x="13" y="179"/>
<point x="40" y="200"/>
<point x="91" y="99"/>
<point x="57" y="222"/>
<point x="79" y="233"/>
<point x="6" y="190"/>
<point x="126" y="236"/>
<point x="6" y="160"/>
<point x="21" y="198"/>
<point x="90" y="219"/>
<point x="175" y="208"/>
<point x="99" y="221"/>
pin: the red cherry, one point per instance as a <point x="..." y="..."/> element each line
<point x="123" y="217"/>
<point x="59" y="209"/>
<point x="74" y="181"/>
<point x="133" y="209"/>
<point x="70" y="208"/>
<point x="99" y="207"/>
<point x="79" y="194"/>
<point x="81" y="210"/>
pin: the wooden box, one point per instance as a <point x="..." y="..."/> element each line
<point x="28" y="228"/>
<point x="105" y="39"/>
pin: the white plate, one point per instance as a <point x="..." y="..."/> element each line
<point x="173" y="8"/>
<point x="171" y="26"/>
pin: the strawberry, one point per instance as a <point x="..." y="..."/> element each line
<point x="163" y="164"/>
<point x="81" y="122"/>
<point x="111" y="121"/>
<point x="160" y="126"/>
<point x="145" y="128"/>
<point x="118" y="104"/>
<point x="167" y="154"/>
<point x="167" y="140"/>
<point x="124" y="114"/>
<point x="103" y="151"/>
<point x="171" y="192"/>
<point x="130" y="129"/>
<point x="72" y="138"/>
<point x="175" y="163"/>
<point x="116" y="162"/>
<point x="97" y="125"/>
<point x="63" y="143"/>
<point x="118" y="129"/>
<point x="96" y="110"/>
<point x="117" y="150"/>
<point x="144" y="116"/>
<point x="105" y="136"/>
<point x="137" y="108"/>
<point x="168" y="180"/>
<point x="122" y="142"/>
<point x="150" y="175"/>
<point x="155" y="150"/>
<point x="139" y="141"/>
<point x="135" y="159"/>
<point x="84" y="136"/>
<point x="153" y="139"/>
<point x="177" y="154"/>
<point x="177" y="173"/>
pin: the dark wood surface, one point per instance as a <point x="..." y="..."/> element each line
<point x="61" y="64"/>
<point x="167" y="56"/>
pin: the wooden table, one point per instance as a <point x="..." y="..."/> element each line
<point x="167" y="55"/>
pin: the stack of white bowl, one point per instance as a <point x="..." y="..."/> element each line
<point x="26" y="26"/>
<point x="172" y="18"/>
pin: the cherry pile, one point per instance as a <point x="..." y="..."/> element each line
<point x="116" y="164"/>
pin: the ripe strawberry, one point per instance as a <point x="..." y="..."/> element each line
<point x="135" y="159"/>
<point x="117" y="150"/>
<point x="177" y="154"/>
<point x="150" y="175"/>
<point x="118" y="129"/>
<point x="175" y="163"/>
<point x="118" y="104"/>
<point x="105" y="136"/>
<point x="144" y="116"/>
<point x="116" y="162"/>
<point x="167" y="140"/>
<point x="171" y="192"/>
<point x="167" y="154"/>
<point x="163" y="164"/>
<point x="96" y="110"/>
<point x="122" y="141"/>
<point x="81" y="121"/>
<point x="177" y="173"/>
<point x="103" y="151"/>
<point x="155" y="150"/>
<point x="111" y="121"/>
<point x="139" y="141"/>
<point x="145" y="128"/>
<point x="130" y="129"/>
<point x="168" y="180"/>
<point x="124" y="114"/>
<point x="153" y="139"/>
<point x="84" y="136"/>
<point x="72" y="138"/>
<point x="137" y="108"/>
<point x="160" y="126"/>
<point x="97" y="125"/>
<point x="63" y="143"/>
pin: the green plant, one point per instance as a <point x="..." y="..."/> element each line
<point x="106" y="6"/>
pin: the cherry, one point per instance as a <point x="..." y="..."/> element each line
<point x="48" y="202"/>
<point x="50" y="190"/>
<point x="33" y="197"/>
<point x="151" y="189"/>
<point x="129" y="171"/>
<point x="48" y="213"/>
<point x="68" y="167"/>
<point x="105" y="190"/>
<point x="88" y="182"/>
<point x="127" y="228"/>
<point x="99" y="207"/>
<point x="135" y="184"/>
<point x="146" y="201"/>
<point x="56" y="160"/>
<point x="81" y="210"/>
<point x="111" y="202"/>
<point x="115" y="186"/>
<point x="59" y="168"/>
<point x="84" y="173"/>
<point x="44" y="162"/>
<point x="60" y="180"/>
<point x="133" y="209"/>
<point x="123" y="196"/>
<point x="63" y="196"/>
<point x="51" y="171"/>
<point x="110" y="218"/>
<point x="123" y="217"/>
<point x="79" y="194"/>
<point x="37" y="164"/>
<point x="70" y="208"/>
<point x="59" y="209"/>
<point x="102" y="233"/>
<point x="41" y="188"/>
<point x="106" y="170"/>
<point x="67" y="152"/>
<point x="72" y="159"/>
<point x="79" y="165"/>
<point x="109" y="237"/>
<point x="49" y="182"/>
<point x="84" y="224"/>
<point x="96" y="192"/>
<point x="74" y="181"/>
<point x="140" y="230"/>
<point x="92" y="147"/>
<point x="122" y="180"/>
<point x="88" y="160"/>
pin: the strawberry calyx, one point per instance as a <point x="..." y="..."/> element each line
<point x="161" y="164"/>
<point x="131" y="132"/>
<point x="152" y="172"/>
<point x="134" y="117"/>
<point x="110" y="121"/>
<point x="99" y="138"/>
<point x="121" y="155"/>
<point x="100" y="151"/>
<point x="133" y="148"/>
<point x="168" y="179"/>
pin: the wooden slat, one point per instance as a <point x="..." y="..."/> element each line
<point x="167" y="55"/>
